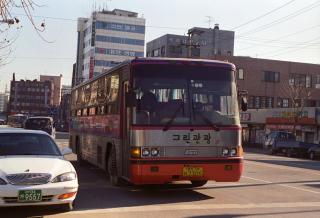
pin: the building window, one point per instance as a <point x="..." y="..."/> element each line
<point x="269" y="102"/>
<point x="269" y="76"/>
<point x="317" y="81"/>
<point x="156" y="53"/>
<point x="251" y="101"/>
<point x="257" y="102"/>
<point x="240" y="74"/>
<point x="285" y="102"/>
<point x="308" y="81"/>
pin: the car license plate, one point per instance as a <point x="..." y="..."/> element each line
<point x="30" y="196"/>
<point x="192" y="171"/>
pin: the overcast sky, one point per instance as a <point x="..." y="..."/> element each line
<point x="290" y="33"/>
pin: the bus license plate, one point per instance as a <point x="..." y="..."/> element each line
<point x="30" y="196"/>
<point x="192" y="171"/>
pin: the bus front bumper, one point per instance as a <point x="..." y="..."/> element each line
<point x="160" y="171"/>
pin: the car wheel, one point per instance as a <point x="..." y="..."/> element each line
<point x="311" y="155"/>
<point x="66" y="207"/>
<point x="198" y="183"/>
<point x="112" y="168"/>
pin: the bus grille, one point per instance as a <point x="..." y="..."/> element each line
<point x="29" y="178"/>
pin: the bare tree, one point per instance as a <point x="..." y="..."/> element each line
<point x="298" y="92"/>
<point x="10" y="25"/>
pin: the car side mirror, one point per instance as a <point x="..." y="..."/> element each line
<point x="66" y="151"/>
<point x="244" y="104"/>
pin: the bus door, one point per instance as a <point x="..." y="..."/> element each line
<point x="125" y="131"/>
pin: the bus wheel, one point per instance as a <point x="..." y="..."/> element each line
<point x="198" y="183"/>
<point x="112" y="168"/>
<point x="80" y="161"/>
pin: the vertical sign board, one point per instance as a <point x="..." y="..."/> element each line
<point x="91" y="67"/>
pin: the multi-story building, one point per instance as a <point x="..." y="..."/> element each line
<point x="106" y="39"/>
<point x="31" y="97"/>
<point x="56" y="81"/>
<point x="4" y="99"/>
<point x="65" y="89"/>
<point x="200" y="43"/>
<point x="282" y="95"/>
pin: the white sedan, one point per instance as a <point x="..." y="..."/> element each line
<point x="33" y="170"/>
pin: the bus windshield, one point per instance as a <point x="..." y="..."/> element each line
<point x="184" y="95"/>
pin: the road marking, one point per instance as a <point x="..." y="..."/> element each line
<point x="175" y="207"/>
<point x="253" y="162"/>
<point x="283" y="185"/>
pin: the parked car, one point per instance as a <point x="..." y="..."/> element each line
<point x="2" y="122"/>
<point x="33" y="170"/>
<point x="286" y="143"/>
<point x="41" y="123"/>
<point x="314" y="152"/>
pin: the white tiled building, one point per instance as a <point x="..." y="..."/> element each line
<point x="106" y="39"/>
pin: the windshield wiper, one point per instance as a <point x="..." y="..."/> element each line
<point x="209" y="122"/>
<point x="168" y="124"/>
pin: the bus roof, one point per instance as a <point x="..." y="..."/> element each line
<point x="163" y="60"/>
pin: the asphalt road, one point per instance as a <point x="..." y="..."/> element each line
<point x="271" y="186"/>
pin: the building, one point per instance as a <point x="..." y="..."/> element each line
<point x="56" y="80"/>
<point x="4" y="99"/>
<point x="269" y="82"/>
<point x="106" y="39"/>
<point x="282" y="95"/>
<point x="200" y="43"/>
<point x="65" y="89"/>
<point x="31" y="97"/>
<point x="64" y="112"/>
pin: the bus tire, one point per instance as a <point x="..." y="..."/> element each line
<point x="112" y="168"/>
<point x="198" y="183"/>
<point x="80" y="161"/>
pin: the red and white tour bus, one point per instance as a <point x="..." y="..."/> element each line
<point x="158" y="120"/>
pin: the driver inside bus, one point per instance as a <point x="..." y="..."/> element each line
<point x="148" y="101"/>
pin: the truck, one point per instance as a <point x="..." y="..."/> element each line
<point x="286" y="143"/>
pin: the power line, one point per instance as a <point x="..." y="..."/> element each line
<point x="284" y="36"/>
<point x="263" y="15"/>
<point x="46" y="58"/>
<point x="283" y="19"/>
<point x="296" y="49"/>
<point x="75" y="20"/>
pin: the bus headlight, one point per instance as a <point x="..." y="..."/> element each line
<point x="225" y="151"/>
<point x="145" y="152"/>
<point x="233" y="152"/>
<point x="155" y="152"/>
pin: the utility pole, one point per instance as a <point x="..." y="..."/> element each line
<point x="191" y="44"/>
<point x="210" y="20"/>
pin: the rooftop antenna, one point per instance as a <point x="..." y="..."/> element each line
<point x="210" y="19"/>
<point x="107" y="4"/>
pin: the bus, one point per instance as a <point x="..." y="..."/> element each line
<point x="16" y="120"/>
<point x="160" y="120"/>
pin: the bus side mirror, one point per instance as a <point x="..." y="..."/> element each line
<point x="244" y="104"/>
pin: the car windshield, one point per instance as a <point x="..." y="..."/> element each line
<point x="27" y="144"/>
<point x="201" y="95"/>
